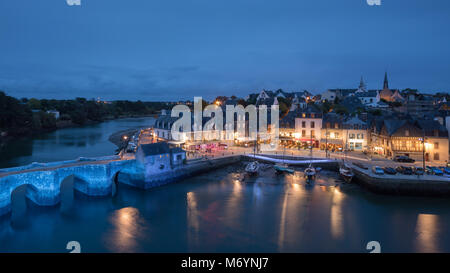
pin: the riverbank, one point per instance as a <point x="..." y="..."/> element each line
<point x="117" y="137"/>
<point x="6" y="136"/>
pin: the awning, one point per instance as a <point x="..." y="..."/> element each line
<point x="306" y="139"/>
<point x="175" y="142"/>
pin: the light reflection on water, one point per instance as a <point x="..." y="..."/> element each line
<point x="427" y="230"/>
<point x="222" y="212"/>
<point x="336" y="217"/>
<point x="127" y="228"/>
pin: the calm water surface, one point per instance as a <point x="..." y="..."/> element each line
<point x="66" y="144"/>
<point x="220" y="212"/>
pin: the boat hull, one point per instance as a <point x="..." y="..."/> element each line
<point x="280" y="169"/>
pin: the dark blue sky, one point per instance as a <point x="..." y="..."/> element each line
<point x="175" y="49"/>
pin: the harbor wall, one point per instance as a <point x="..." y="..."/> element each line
<point x="403" y="185"/>
<point x="140" y="179"/>
<point x="328" y="164"/>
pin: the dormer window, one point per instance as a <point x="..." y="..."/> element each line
<point x="407" y="133"/>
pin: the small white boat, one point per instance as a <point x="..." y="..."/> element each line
<point x="252" y="168"/>
<point x="346" y="173"/>
<point x="310" y="173"/>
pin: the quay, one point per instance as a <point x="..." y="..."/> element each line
<point x="295" y="161"/>
<point x="400" y="184"/>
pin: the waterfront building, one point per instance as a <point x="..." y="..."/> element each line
<point x="355" y="132"/>
<point x="331" y="133"/>
<point x="302" y="127"/>
<point x="339" y="133"/>
<point x="404" y="136"/>
<point x="163" y="125"/>
<point x="308" y="126"/>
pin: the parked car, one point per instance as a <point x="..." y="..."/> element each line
<point x="418" y="170"/>
<point x="437" y="171"/>
<point x="389" y="170"/>
<point x="403" y="158"/>
<point x="428" y="170"/>
<point x="377" y="170"/>
<point x="404" y="170"/>
<point x="446" y="170"/>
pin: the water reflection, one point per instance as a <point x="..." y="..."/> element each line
<point x="427" y="231"/>
<point x="71" y="143"/>
<point x="282" y="225"/>
<point x="337" y="226"/>
<point x="216" y="212"/>
<point x="192" y="219"/>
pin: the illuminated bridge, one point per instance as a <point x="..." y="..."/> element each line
<point x="92" y="176"/>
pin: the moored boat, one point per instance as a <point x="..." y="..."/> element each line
<point x="252" y="168"/>
<point x="346" y="173"/>
<point x="283" y="168"/>
<point x="310" y="173"/>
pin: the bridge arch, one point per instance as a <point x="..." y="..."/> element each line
<point x="18" y="204"/>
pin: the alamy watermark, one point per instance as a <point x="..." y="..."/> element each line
<point x="374" y="2"/>
<point x="236" y="125"/>
<point x="73" y="2"/>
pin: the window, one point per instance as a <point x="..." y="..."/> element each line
<point x="336" y="125"/>
<point x="336" y="135"/>
<point x="358" y="146"/>
<point x="303" y="133"/>
<point x="312" y="124"/>
<point x="406" y="132"/>
<point x="303" y="115"/>
<point x="436" y="156"/>
<point x="351" y="136"/>
<point x="436" y="145"/>
<point x="303" y="124"/>
<point x="312" y="133"/>
<point x="312" y="115"/>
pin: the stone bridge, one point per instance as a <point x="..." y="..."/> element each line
<point x="93" y="177"/>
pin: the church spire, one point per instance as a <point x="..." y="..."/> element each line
<point x="362" y="85"/>
<point x="386" y="84"/>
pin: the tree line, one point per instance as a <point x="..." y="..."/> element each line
<point x="23" y="116"/>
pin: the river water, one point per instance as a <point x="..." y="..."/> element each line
<point x="216" y="212"/>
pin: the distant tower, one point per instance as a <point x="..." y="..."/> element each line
<point x="362" y="85"/>
<point x="386" y="84"/>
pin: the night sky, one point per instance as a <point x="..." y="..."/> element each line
<point x="177" y="49"/>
